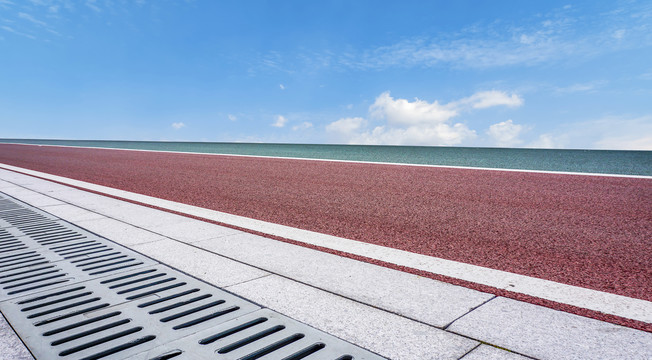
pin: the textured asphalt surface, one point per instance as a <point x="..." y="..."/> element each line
<point x="588" y="231"/>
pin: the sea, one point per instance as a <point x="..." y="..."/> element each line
<point x="581" y="161"/>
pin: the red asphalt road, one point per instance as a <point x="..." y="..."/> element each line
<point x="588" y="231"/>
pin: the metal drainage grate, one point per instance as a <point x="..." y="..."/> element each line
<point x="9" y="242"/>
<point x="17" y="214"/>
<point x="70" y="294"/>
<point x="6" y="204"/>
<point x="46" y="254"/>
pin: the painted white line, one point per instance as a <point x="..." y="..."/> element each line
<point x="353" y="161"/>
<point x="607" y="303"/>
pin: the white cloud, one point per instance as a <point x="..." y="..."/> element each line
<point x="31" y="19"/>
<point x="621" y="133"/>
<point x="346" y="126"/>
<point x="404" y="112"/>
<point x="92" y="4"/>
<point x="281" y="86"/>
<point x="485" y="99"/>
<point x="629" y="142"/>
<point x="545" y="141"/>
<point x="619" y="34"/>
<point x="436" y="134"/>
<point x="232" y="117"/>
<point x="581" y="87"/>
<point x="542" y="39"/>
<point x="609" y="133"/>
<point x="303" y="126"/>
<point x="506" y="133"/>
<point x="525" y="39"/>
<point x="280" y="121"/>
<point x="12" y="30"/>
<point x="178" y="125"/>
<point x="417" y="122"/>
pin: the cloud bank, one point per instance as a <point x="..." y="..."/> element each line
<point x="607" y="133"/>
<point x="419" y="122"/>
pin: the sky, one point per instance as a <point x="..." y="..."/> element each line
<point x="542" y="74"/>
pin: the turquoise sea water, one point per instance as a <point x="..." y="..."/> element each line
<point x="587" y="161"/>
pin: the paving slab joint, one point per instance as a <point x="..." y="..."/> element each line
<point x="246" y="281"/>
<point x="468" y="312"/>
<point x="470" y="351"/>
<point x="507" y="350"/>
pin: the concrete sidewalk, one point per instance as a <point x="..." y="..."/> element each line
<point x="392" y="313"/>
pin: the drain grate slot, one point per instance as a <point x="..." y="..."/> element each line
<point x="26" y="272"/>
<point x="101" y="261"/>
<point x="181" y="303"/>
<point x="273" y="347"/>
<point x="120" y="348"/>
<point x="89" y="332"/>
<point x="37" y="287"/>
<point x="32" y="281"/>
<point x="306" y="352"/>
<point x="162" y="289"/>
<point x="101" y="341"/>
<point x="167" y="298"/>
<point x="19" y="259"/>
<point x="70" y="314"/>
<point x="108" y="281"/>
<point x="70" y="294"/>
<point x="154" y="283"/>
<point x="94" y="257"/>
<point x="193" y="310"/>
<point x="81" y="323"/>
<point x="250" y="339"/>
<point x="66" y="307"/>
<point x="232" y="331"/>
<point x="54" y="302"/>
<point x="170" y="355"/>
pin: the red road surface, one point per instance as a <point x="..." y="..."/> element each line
<point x="593" y="232"/>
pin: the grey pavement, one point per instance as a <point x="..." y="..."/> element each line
<point x="392" y="313"/>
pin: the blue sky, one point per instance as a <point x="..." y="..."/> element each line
<point x="562" y="74"/>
